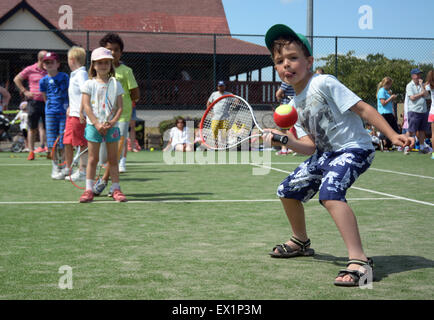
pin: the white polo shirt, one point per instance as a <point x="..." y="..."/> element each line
<point x="418" y="105"/>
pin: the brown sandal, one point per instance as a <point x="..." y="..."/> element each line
<point x="285" y="251"/>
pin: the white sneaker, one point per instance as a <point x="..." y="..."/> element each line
<point x="77" y="176"/>
<point x="57" y="174"/>
<point x="122" y="165"/>
<point x="406" y="150"/>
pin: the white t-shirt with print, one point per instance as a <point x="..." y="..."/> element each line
<point x="221" y="108"/>
<point x="77" y="79"/>
<point x="323" y="114"/>
<point x="97" y="92"/>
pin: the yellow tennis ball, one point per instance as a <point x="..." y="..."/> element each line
<point x="152" y="149"/>
<point x="285" y="116"/>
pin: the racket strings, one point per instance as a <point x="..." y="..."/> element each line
<point x="227" y="124"/>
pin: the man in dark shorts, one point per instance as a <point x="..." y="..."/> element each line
<point x="417" y="109"/>
<point x="36" y="104"/>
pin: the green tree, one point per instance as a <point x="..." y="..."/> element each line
<point x="362" y="75"/>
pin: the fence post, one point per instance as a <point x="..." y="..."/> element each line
<point x="87" y="50"/>
<point x="336" y="57"/>
<point x="215" y="61"/>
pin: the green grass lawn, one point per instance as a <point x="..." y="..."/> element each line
<point x="194" y="231"/>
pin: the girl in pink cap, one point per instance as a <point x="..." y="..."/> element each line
<point x="99" y="128"/>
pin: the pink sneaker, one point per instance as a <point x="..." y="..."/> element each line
<point x="119" y="196"/>
<point x="39" y="150"/>
<point x="87" y="196"/>
<point x="137" y="147"/>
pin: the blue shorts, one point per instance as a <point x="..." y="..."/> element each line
<point x="92" y="135"/>
<point x="417" y="121"/>
<point x="134" y="115"/>
<point x="330" y="173"/>
<point x="55" y="125"/>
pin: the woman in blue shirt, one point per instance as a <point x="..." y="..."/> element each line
<point x="385" y="100"/>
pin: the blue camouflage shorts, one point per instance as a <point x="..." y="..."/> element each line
<point x="330" y="173"/>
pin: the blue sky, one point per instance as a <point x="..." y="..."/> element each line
<point x="395" y="18"/>
<point x="390" y="18"/>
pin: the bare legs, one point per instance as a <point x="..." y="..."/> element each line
<point x="344" y="219"/>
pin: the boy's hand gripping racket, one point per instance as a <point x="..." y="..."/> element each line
<point x="232" y="130"/>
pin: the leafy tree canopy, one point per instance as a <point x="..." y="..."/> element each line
<point x="362" y="75"/>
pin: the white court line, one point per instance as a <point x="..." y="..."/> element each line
<point x="209" y="164"/>
<point x="402" y="173"/>
<point x="172" y="201"/>
<point x="155" y="164"/>
<point x="366" y="190"/>
<point x="213" y="164"/>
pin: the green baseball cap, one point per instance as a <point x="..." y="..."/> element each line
<point x="279" y="30"/>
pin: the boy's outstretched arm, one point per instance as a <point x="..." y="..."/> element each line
<point x="371" y="115"/>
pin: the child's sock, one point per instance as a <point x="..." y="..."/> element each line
<point x="89" y="184"/>
<point x="116" y="186"/>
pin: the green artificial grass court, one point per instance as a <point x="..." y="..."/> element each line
<point x="203" y="231"/>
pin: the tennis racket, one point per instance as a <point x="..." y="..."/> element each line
<point x="236" y="126"/>
<point x="109" y="104"/>
<point x="121" y="147"/>
<point x="57" y="154"/>
<point x="79" y="157"/>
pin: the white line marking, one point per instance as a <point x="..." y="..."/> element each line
<point x="396" y="197"/>
<point x="366" y="190"/>
<point x="402" y="173"/>
<point x="156" y="164"/>
<point x="213" y="164"/>
<point x="173" y="201"/>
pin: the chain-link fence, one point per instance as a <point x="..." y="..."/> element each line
<point x="176" y="72"/>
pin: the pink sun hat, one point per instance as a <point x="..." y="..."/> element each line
<point x="101" y="53"/>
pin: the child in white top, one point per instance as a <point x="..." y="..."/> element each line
<point x="22" y="117"/>
<point x="75" y="121"/>
<point x="179" y="138"/>
<point x="99" y="129"/>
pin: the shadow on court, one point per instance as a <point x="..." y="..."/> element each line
<point x="123" y="178"/>
<point x="136" y="169"/>
<point x="384" y="265"/>
<point x="167" y="196"/>
<point x="142" y="161"/>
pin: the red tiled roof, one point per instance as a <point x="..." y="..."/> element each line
<point x="174" y="43"/>
<point x="151" y="16"/>
<point x="201" y="16"/>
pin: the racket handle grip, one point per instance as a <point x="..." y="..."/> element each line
<point x="280" y="138"/>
